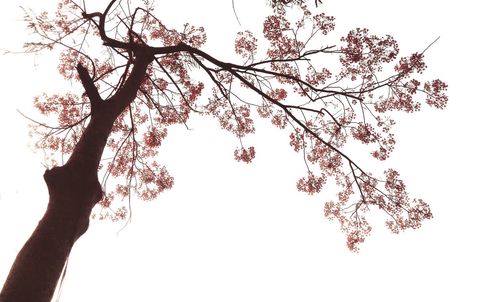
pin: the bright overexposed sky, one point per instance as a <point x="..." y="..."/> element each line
<point x="228" y="231"/>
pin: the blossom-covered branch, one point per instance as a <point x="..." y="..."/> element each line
<point x="325" y="96"/>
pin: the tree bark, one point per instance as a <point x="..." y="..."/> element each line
<point x="38" y="266"/>
<point x="74" y="190"/>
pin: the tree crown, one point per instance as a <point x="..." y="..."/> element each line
<point x="326" y="91"/>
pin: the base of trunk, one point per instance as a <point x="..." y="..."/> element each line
<point x="38" y="266"/>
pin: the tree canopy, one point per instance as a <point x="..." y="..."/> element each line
<point x="326" y="90"/>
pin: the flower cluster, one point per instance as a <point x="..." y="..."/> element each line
<point x="244" y="154"/>
<point x="411" y="64"/>
<point x="436" y="96"/>
<point x="191" y="35"/>
<point x="311" y="184"/>
<point x="245" y="44"/>
<point x="363" y="54"/>
<point x="235" y="119"/>
<point x="282" y="45"/>
<point x="324" y="23"/>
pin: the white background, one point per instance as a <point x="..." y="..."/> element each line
<point x="228" y="231"/>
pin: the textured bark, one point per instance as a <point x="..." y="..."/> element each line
<point x="74" y="190"/>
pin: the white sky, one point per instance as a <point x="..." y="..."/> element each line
<point x="234" y="232"/>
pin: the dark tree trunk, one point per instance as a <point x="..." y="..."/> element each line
<point x="74" y="190"/>
<point x="36" y="270"/>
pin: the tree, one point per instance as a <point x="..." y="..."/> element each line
<point x="144" y="79"/>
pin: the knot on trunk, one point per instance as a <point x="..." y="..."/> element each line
<point x="73" y="192"/>
<point x="72" y="182"/>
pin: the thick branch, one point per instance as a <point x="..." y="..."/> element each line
<point x="89" y="86"/>
<point x="227" y="66"/>
<point x="88" y="151"/>
<point x="102" y="31"/>
<point x="294" y="118"/>
<point x="286" y="108"/>
<point x="128" y="91"/>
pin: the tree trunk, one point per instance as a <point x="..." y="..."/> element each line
<point x="38" y="266"/>
<point x="74" y="190"/>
